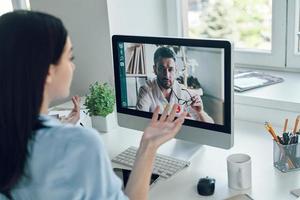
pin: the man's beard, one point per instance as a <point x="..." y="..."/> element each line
<point x="165" y="84"/>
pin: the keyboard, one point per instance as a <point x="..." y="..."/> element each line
<point x="164" y="166"/>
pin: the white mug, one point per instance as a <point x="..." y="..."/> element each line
<point x="239" y="171"/>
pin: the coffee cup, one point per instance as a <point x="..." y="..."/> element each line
<point x="239" y="171"/>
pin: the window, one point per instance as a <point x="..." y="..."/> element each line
<point x="293" y="35"/>
<point x="247" y="22"/>
<point x="10" y="5"/>
<point x="5" y="6"/>
<point x="266" y="33"/>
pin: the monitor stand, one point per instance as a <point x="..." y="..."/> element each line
<point x="180" y="149"/>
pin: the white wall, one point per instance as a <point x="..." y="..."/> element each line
<point x="89" y="23"/>
<point x="137" y="17"/>
<point x="210" y="71"/>
<point x="88" y="26"/>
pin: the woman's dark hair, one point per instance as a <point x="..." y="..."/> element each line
<point x="29" y="42"/>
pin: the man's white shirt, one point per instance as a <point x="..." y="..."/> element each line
<point x="150" y="96"/>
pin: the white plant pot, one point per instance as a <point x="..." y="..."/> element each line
<point x="104" y="124"/>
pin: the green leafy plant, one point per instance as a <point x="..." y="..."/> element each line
<point x="100" y="101"/>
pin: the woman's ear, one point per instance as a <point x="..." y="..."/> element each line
<point x="50" y="74"/>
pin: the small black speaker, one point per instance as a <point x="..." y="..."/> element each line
<point x="206" y="186"/>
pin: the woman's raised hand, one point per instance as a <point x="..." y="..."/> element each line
<point x="163" y="129"/>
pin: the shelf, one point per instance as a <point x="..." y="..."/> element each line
<point x="136" y="75"/>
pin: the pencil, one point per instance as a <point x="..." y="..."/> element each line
<point x="296" y="124"/>
<point x="271" y="131"/>
<point x="290" y="163"/>
<point x="285" y="125"/>
<point x="271" y="128"/>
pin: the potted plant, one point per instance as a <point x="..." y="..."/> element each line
<point x="100" y="104"/>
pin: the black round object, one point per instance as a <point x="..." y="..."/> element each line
<point x="206" y="186"/>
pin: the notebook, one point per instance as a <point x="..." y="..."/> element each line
<point x="239" y="197"/>
<point x="247" y="79"/>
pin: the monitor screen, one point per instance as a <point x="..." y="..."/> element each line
<point x="194" y="74"/>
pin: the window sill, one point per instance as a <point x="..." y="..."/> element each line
<point x="271" y="103"/>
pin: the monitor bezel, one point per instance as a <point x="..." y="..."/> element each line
<point x="209" y="43"/>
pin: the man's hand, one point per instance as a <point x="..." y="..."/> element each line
<point x="199" y="113"/>
<point x="197" y="103"/>
<point x="74" y="115"/>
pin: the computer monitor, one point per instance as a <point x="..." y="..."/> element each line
<point x="196" y="74"/>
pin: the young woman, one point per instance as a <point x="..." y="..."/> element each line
<point x="41" y="158"/>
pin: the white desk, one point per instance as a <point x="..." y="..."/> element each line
<point x="267" y="182"/>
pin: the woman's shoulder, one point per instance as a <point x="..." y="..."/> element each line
<point x="56" y="134"/>
<point x="63" y="144"/>
<point x="56" y="141"/>
<point x="68" y="133"/>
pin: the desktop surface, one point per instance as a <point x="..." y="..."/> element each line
<point x="251" y="138"/>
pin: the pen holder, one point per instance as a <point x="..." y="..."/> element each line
<point x="286" y="157"/>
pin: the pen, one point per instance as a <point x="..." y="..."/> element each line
<point x="280" y="140"/>
<point x="286" y="138"/>
<point x="291" y="139"/>
<point x="297" y="137"/>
